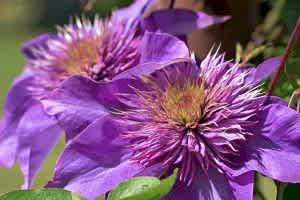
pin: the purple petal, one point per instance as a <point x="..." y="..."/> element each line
<point x="275" y="100"/>
<point x="243" y="186"/>
<point x="136" y="9"/>
<point x="157" y="51"/>
<point x="180" y="21"/>
<point x="145" y="69"/>
<point x="214" y="186"/>
<point x="80" y="101"/>
<point x="17" y="102"/>
<point x="204" y="20"/>
<point x="37" y="136"/>
<point x="95" y="161"/>
<point x="264" y="70"/>
<point x="161" y="48"/>
<point x="276" y="151"/>
<point x="75" y="104"/>
<point x="37" y="42"/>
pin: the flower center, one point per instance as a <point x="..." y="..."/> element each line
<point x="81" y="55"/>
<point x="184" y="103"/>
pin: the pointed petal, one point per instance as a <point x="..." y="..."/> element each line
<point x="180" y="21"/>
<point x="38" y="42"/>
<point x="95" y="161"/>
<point x="264" y="70"/>
<point x="275" y="152"/>
<point x="215" y="186"/>
<point x="38" y="134"/>
<point x="18" y="100"/>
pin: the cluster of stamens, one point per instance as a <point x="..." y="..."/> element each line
<point x="184" y="104"/>
<point x="98" y="50"/>
<point x="185" y="122"/>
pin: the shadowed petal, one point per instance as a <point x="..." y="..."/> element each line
<point x="95" y="161"/>
<point x="264" y="70"/>
<point x="214" y="186"/>
<point x="275" y="100"/>
<point x="17" y="102"/>
<point x="80" y="101"/>
<point x="276" y="151"/>
<point x="243" y="186"/>
<point x="38" y="134"/>
<point x="180" y="21"/>
<point x="75" y="104"/>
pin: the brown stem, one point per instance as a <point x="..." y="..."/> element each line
<point x="172" y="3"/>
<point x="284" y="59"/>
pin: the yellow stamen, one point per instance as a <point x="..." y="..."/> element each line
<point x="81" y="55"/>
<point x="183" y="103"/>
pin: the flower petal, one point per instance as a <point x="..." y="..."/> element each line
<point x="161" y="48"/>
<point x="264" y="70"/>
<point x="136" y="9"/>
<point x="275" y="100"/>
<point x="243" y="186"/>
<point x="157" y="51"/>
<point x="276" y="151"/>
<point x="180" y="21"/>
<point x="38" y="42"/>
<point x="17" y="102"/>
<point x="38" y="134"/>
<point x="75" y="104"/>
<point x="79" y="101"/>
<point x="214" y="186"/>
<point x="95" y="161"/>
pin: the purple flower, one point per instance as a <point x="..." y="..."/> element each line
<point x="97" y="50"/>
<point x="212" y="122"/>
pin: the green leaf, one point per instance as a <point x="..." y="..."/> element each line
<point x="265" y="188"/>
<point x="143" y="188"/>
<point x="44" y="194"/>
<point x="135" y="188"/>
<point x="167" y="184"/>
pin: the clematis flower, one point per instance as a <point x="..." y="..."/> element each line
<point x="211" y="121"/>
<point x="97" y="50"/>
